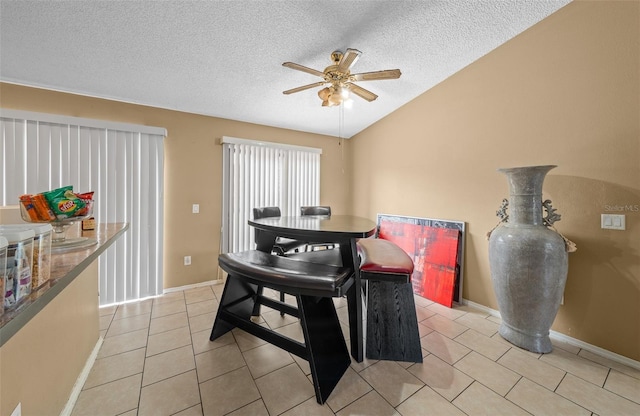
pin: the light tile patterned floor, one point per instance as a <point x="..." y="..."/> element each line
<point x="156" y="359"/>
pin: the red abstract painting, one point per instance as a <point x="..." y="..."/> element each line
<point x="434" y="252"/>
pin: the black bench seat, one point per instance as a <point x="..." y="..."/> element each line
<point x="292" y="276"/>
<point x="392" y="324"/>
<point x="314" y="285"/>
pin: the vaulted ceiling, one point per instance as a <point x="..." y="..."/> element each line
<point x="224" y="58"/>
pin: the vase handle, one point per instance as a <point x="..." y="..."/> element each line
<point x="502" y="214"/>
<point x="552" y="216"/>
<point x="502" y="211"/>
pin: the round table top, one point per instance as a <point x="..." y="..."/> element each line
<point x="321" y="227"/>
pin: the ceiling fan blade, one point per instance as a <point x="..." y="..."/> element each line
<point x="361" y="92"/>
<point x="304" y="87"/>
<point x="303" y="69"/>
<point x="377" y="75"/>
<point x="348" y="59"/>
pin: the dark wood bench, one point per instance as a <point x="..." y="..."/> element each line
<point x="314" y="285"/>
<point x="392" y="325"/>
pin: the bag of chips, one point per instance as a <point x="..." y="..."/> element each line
<point x="87" y="197"/>
<point x="63" y="202"/>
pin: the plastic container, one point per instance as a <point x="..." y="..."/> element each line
<point x="41" y="267"/>
<point x="41" y="271"/>
<point x="3" y="270"/>
<point x="17" y="281"/>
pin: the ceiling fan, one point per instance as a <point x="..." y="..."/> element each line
<point x="338" y="79"/>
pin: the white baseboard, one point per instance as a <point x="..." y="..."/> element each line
<point x="569" y="340"/>
<point x="193" y="286"/>
<point x="169" y="290"/>
<point x="77" y="387"/>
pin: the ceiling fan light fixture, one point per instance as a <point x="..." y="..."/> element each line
<point x="343" y="91"/>
<point x="340" y="80"/>
<point x="335" y="99"/>
<point x="324" y="94"/>
<point x="330" y="96"/>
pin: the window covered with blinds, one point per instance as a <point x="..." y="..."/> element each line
<point x="121" y="163"/>
<point x="261" y="174"/>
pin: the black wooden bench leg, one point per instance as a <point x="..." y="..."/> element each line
<point x="238" y="296"/>
<point x="327" y="349"/>
<point x="355" y="304"/>
<point x="392" y="326"/>
<point x="256" y="307"/>
<point x="282" y="300"/>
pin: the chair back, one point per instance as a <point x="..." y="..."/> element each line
<point x="323" y="210"/>
<point x="266" y="212"/>
<point x="265" y="241"/>
<point x="316" y="210"/>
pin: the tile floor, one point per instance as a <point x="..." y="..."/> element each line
<point x="156" y="359"/>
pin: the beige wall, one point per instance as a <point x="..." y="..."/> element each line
<point x="40" y="364"/>
<point x="565" y="92"/>
<point x="193" y="172"/>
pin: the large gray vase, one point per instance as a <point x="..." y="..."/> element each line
<point x="528" y="262"/>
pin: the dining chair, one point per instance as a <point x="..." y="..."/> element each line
<point x="317" y="210"/>
<point x="280" y="246"/>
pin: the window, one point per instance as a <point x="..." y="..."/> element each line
<point x="122" y="163"/>
<point x="261" y="174"/>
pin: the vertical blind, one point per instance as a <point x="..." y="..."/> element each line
<point x="262" y="174"/>
<point x="121" y="163"/>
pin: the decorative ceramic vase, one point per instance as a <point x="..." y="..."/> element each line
<point x="528" y="261"/>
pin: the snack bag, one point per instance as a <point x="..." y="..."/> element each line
<point x="36" y="208"/>
<point x="28" y="207"/>
<point x="87" y="197"/>
<point x="42" y="208"/>
<point x="64" y="202"/>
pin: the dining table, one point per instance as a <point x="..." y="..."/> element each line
<point x="343" y="231"/>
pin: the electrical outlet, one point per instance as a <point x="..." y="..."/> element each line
<point x="195" y="209"/>
<point x="187" y="260"/>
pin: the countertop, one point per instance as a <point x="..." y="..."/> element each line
<point x="65" y="267"/>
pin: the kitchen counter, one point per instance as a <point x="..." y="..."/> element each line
<point x="52" y="338"/>
<point x="65" y="267"/>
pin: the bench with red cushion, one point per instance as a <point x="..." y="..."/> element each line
<point x="384" y="260"/>
<point x="392" y="325"/>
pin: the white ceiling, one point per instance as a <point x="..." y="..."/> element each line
<point x="224" y="58"/>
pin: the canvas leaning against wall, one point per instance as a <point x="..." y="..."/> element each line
<point x="437" y="249"/>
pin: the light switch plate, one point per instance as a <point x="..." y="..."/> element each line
<point x="612" y="221"/>
<point x="195" y="208"/>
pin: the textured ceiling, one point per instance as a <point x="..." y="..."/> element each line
<point x="224" y="58"/>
